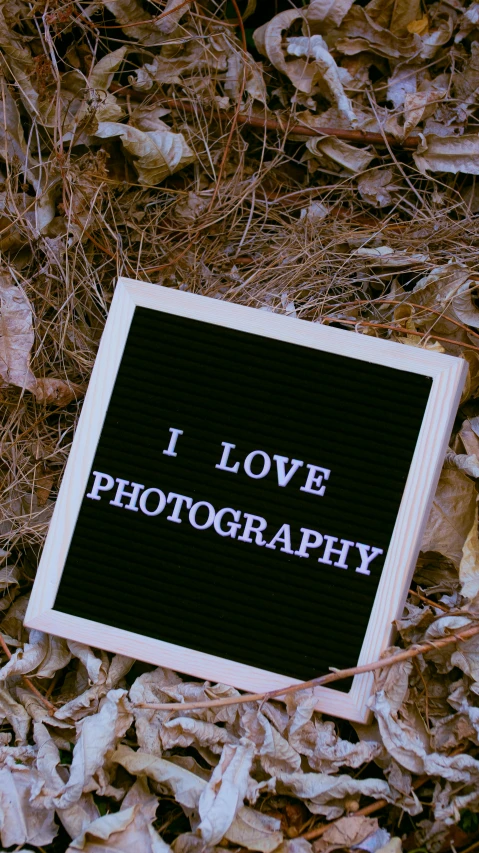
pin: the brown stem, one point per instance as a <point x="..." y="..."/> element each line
<point x="406" y="654"/>
<point x="429" y="601"/>
<point x="362" y="137"/>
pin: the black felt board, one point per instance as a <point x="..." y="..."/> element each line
<point x="229" y="598"/>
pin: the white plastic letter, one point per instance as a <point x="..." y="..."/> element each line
<point x="252" y="528"/>
<point x="224" y="459"/>
<point x="283" y="535"/>
<point x="266" y="464"/>
<point x="161" y="501"/>
<point x="233" y="526"/>
<point x="283" y="477"/>
<point x="192" y="515"/>
<point x="315" y="478"/>
<point x="311" y="539"/>
<point x="170" y="450"/>
<point x="343" y="552"/>
<point x="98" y="487"/>
<point x="366" y="558"/>
<point x="180" y="500"/>
<point x="122" y="493"/>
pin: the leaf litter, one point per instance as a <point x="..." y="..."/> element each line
<point x="313" y="159"/>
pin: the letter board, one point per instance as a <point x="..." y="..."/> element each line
<point x="246" y="493"/>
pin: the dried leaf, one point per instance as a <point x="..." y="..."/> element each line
<point x="340" y="152"/>
<point x="125" y="830"/>
<point x="451" y="516"/>
<point x="255" y="831"/>
<point x="172" y="14"/>
<point x="328" y="13"/>
<point x="325" y="794"/>
<point x="315" y="47"/>
<point x="20" y="821"/>
<point x="98" y="735"/>
<point x="186" y="786"/>
<point x="377" y="186"/>
<point x="346" y="832"/>
<point x="225" y="792"/>
<point x="156" y="153"/>
<point x="456" y="154"/>
<point x="16" y="334"/>
<point x="469" y="565"/>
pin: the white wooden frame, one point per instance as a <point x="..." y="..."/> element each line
<point x="448" y="375"/>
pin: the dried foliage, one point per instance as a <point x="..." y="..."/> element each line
<point x="316" y="160"/>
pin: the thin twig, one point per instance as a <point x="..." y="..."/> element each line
<point x="362" y="137"/>
<point x="429" y="601"/>
<point x="48" y="705"/>
<point x="338" y="675"/>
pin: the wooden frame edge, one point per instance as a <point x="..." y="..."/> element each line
<point x="447" y="372"/>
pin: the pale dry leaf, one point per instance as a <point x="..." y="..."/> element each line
<point x="451" y="516"/>
<point x="276" y="754"/>
<point x="419" y="105"/>
<point x="98" y="735"/>
<point x="315" y="47"/>
<point x="47" y="764"/>
<point x="128" y="829"/>
<point x="377" y="187"/>
<point x="90" y="661"/>
<point x="156" y="154"/>
<point x="326" y="794"/>
<point x="359" y="31"/>
<point x="186" y="786"/>
<point x="328" y="13"/>
<point x="225" y="792"/>
<point x="172" y="14"/>
<point x="385" y="256"/>
<point x="314" y="213"/>
<point x="16" y="334"/>
<point x="374" y="842"/>
<point x="325" y="751"/>
<point x="269" y="41"/>
<point x="20" y="821"/>
<point x="15" y="714"/>
<point x="393" y="846"/>
<point x="196" y="55"/>
<point x="456" y="154"/>
<point x="295" y="845"/>
<point x="241" y="69"/>
<point x="255" y="831"/>
<point x="411" y="749"/>
<point x="43" y="655"/>
<point x="468" y="463"/>
<point x="186" y="731"/>
<point x="77" y="817"/>
<point x="346" y="832"/>
<point x="102" y="102"/>
<point x="403" y="82"/>
<point x="340" y="152"/>
<point x="9" y="576"/>
<point x="469" y="565"/>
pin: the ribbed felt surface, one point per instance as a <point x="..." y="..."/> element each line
<point x="219" y="595"/>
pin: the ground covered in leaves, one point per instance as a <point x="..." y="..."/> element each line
<point x="316" y="160"/>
